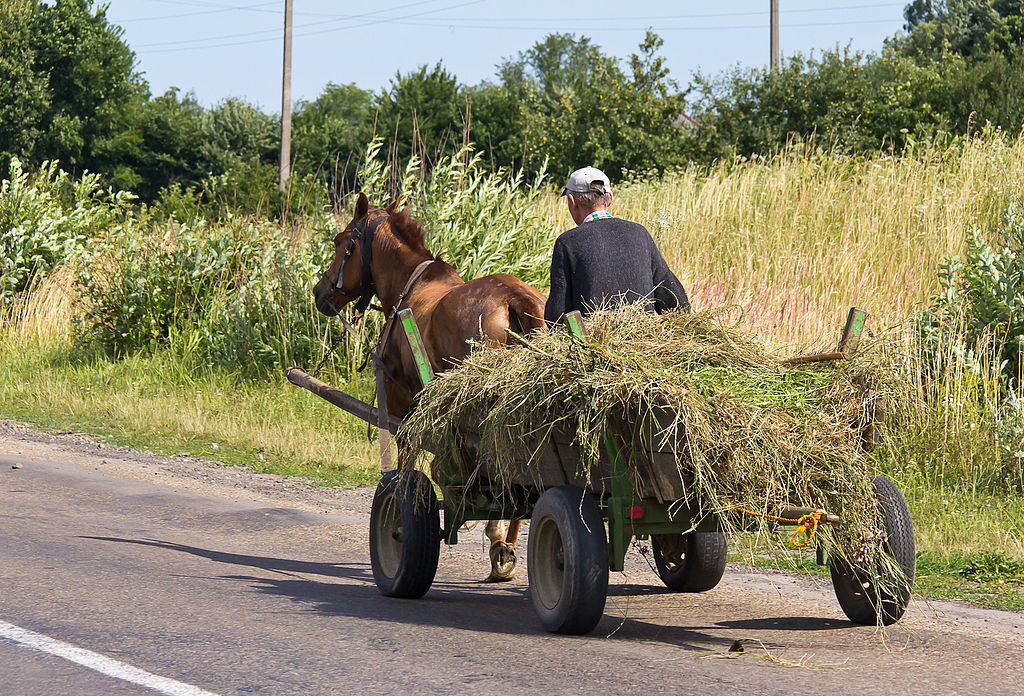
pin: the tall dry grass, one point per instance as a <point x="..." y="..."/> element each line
<point x="798" y="238"/>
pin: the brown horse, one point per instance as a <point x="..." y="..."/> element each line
<point x="382" y="252"/>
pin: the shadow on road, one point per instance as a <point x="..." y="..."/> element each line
<point x="451" y="604"/>
<point x="354" y="571"/>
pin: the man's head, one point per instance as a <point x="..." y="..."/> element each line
<point x="588" y="190"/>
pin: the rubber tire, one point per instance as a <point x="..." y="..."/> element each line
<point x="568" y="595"/>
<point x="406" y="566"/>
<point x="703" y="560"/>
<point x="860" y="602"/>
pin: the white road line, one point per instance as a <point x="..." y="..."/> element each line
<point x="99" y="663"/>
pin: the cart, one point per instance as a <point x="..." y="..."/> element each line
<point x="582" y="525"/>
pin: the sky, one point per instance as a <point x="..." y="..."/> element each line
<point x="233" y="48"/>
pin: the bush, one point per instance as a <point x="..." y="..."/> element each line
<point x="985" y="290"/>
<point x="49" y="218"/>
<point x="237" y="294"/>
<point x="971" y="339"/>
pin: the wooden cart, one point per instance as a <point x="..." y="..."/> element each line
<point x="581" y="525"/>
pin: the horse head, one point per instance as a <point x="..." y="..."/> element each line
<point x="349" y="278"/>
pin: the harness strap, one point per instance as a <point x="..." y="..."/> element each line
<point x="385" y="335"/>
<point x="382" y="372"/>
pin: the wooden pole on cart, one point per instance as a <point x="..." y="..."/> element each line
<point x="383" y="434"/>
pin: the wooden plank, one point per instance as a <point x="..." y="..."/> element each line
<point x="383" y="436"/>
<point x="569" y="458"/>
<point x="663" y="456"/>
<point x="820" y="357"/>
<point x="549" y="467"/>
<point x="574" y="322"/>
<point x="850" y="339"/>
<point x="419" y="351"/>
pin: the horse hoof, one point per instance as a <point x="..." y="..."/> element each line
<point x="503" y="562"/>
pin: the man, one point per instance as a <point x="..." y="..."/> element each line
<point x="606" y="260"/>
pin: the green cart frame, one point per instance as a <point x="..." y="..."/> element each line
<point x="581" y="526"/>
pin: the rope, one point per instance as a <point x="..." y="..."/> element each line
<point x="330" y="350"/>
<point x="807" y="524"/>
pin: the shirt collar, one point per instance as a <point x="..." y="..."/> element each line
<point x="597" y="215"/>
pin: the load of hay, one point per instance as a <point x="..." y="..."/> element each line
<point x="758" y="435"/>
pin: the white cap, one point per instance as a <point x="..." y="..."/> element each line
<point x="588" y="179"/>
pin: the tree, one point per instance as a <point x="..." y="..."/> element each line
<point x="425" y="110"/>
<point x="578" y="107"/>
<point x="851" y="101"/>
<point x="24" y="93"/>
<point x="91" y="84"/>
<point x="331" y="132"/>
<point x="496" y="124"/>
<point x="961" y="27"/>
<point x="167" y="142"/>
<point x="556" y="65"/>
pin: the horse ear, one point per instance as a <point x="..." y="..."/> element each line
<point x="362" y="206"/>
<point x="394" y="204"/>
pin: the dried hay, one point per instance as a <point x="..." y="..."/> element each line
<point x="747" y="431"/>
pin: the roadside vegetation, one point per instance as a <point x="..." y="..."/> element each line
<point x="172" y="335"/>
<point x="156" y="300"/>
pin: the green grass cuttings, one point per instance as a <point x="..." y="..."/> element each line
<point x="746" y="431"/>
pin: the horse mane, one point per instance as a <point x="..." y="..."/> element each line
<point x="409" y="230"/>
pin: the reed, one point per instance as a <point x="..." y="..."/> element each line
<point x="798" y="238"/>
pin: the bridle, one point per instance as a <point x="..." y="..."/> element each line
<point x="362" y="233"/>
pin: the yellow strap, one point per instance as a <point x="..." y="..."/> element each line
<point x="806" y="524"/>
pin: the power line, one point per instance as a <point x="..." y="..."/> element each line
<point x="254" y="8"/>
<point x="217" y="10"/>
<point x="378" y="20"/>
<point x="540" y="20"/>
<point x="439" y="22"/>
<point x="275" y="32"/>
<point x="760" y="13"/>
<point x="584" y="28"/>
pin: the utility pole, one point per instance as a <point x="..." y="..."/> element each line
<point x="775" y="35"/>
<point x="286" y="99"/>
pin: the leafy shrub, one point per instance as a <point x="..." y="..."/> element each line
<point x="48" y="218"/>
<point x="270" y="321"/>
<point x="237" y="294"/>
<point x="986" y="290"/>
<point x="971" y="341"/>
<point x="992" y="566"/>
<point x="140" y="288"/>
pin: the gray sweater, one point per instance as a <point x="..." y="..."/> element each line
<point x="610" y="260"/>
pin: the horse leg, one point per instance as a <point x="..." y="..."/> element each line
<point x="503" y="554"/>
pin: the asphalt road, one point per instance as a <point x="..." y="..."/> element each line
<point x="237" y="584"/>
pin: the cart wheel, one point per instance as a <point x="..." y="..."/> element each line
<point x="862" y="602"/>
<point x="405" y="534"/>
<point x="567" y="561"/>
<point x="691" y="562"/>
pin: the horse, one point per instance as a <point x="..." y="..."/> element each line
<point x="383" y="253"/>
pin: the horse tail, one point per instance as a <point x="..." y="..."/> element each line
<point x="525" y="313"/>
